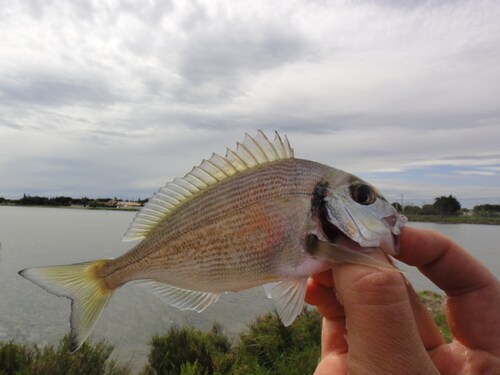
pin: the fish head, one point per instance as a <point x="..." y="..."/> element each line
<point x="354" y="214"/>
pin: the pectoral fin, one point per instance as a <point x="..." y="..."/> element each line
<point x="341" y="254"/>
<point x="288" y="298"/>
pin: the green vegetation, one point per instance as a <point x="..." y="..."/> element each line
<point x="187" y="350"/>
<point x="448" y="210"/>
<point x="487" y="210"/>
<point x="107" y="203"/>
<point x="435" y="304"/>
<point x="454" y="219"/>
<point x="16" y="359"/>
<point x="443" y="206"/>
<point x="266" y="348"/>
<point x="447" y="206"/>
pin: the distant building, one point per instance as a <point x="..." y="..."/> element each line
<point x="128" y="204"/>
<point x="111" y="203"/>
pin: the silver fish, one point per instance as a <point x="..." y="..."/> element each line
<point x="256" y="216"/>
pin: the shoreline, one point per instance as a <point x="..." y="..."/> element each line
<point x="479" y="220"/>
<point x="75" y="207"/>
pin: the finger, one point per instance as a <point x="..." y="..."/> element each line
<point x="379" y="320"/>
<point x="473" y="292"/>
<point x="427" y="328"/>
<point x="333" y="327"/>
<point x="448" y="265"/>
<point x="333" y="337"/>
<point x="429" y="332"/>
<point x="319" y="295"/>
<point x="325" y="278"/>
<point x="332" y="364"/>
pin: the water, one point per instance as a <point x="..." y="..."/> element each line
<point x="42" y="236"/>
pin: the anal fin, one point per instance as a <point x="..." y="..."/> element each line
<point x="183" y="299"/>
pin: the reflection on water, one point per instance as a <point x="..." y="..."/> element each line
<point x="42" y="236"/>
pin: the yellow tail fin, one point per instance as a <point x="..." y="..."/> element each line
<point x="79" y="282"/>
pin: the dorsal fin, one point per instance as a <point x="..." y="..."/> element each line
<point x="250" y="153"/>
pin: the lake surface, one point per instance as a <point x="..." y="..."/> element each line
<point x="42" y="236"/>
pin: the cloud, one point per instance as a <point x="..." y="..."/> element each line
<point x="52" y="89"/>
<point x="98" y="98"/>
<point x="477" y="173"/>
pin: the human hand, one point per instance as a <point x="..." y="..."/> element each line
<point x="374" y="323"/>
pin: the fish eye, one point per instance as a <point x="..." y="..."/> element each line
<point x="363" y="194"/>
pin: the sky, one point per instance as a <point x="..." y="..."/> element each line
<point x="116" y="98"/>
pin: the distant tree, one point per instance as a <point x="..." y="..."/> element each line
<point x="85" y="201"/>
<point x="397" y="206"/>
<point x="487" y="210"/>
<point x="93" y="203"/>
<point x="28" y="200"/>
<point x="60" y="201"/>
<point x="412" y="210"/>
<point x="429" y="209"/>
<point x="446" y="206"/>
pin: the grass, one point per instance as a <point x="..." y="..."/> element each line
<point x="265" y="348"/>
<point x="454" y="219"/>
<point x="436" y="306"/>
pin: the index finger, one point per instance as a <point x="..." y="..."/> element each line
<point x="473" y="291"/>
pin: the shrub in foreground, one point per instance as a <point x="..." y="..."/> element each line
<point x="16" y="359"/>
<point x="267" y="347"/>
<point x="187" y="351"/>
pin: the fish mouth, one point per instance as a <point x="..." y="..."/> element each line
<point x="389" y="242"/>
<point x="330" y="231"/>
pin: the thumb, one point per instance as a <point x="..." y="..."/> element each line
<point x="382" y="334"/>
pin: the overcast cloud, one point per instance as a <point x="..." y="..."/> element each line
<point x="115" y="98"/>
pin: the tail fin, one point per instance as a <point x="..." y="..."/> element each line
<point x="79" y="282"/>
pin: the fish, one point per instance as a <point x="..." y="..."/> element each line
<point x="257" y="216"/>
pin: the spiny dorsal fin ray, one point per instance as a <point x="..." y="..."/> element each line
<point x="249" y="154"/>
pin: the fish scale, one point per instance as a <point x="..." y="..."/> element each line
<point x="238" y="225"/>
<point x="281" y="178"/>
<point x="259" y="216"/>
